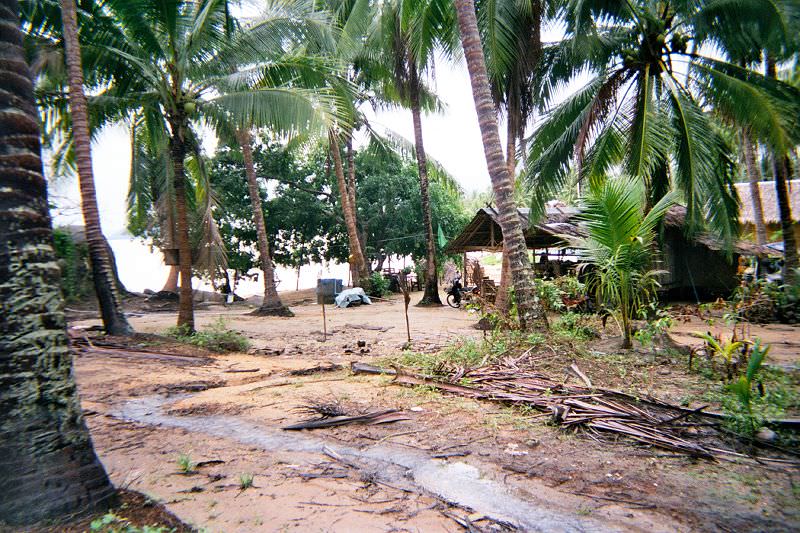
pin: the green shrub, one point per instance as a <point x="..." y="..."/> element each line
<point x="245" y="481"/>
<point x="552" y="292"/>
<point x="763" y="302"/>
<point x="658" y="322"/>
<point x="575" y="325"/>
<point x="73" y="259"/>
<point x="378" y="286"/>
<point x="216" y="338"/>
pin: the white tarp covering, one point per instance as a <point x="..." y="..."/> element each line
<point x="348" y="296"/>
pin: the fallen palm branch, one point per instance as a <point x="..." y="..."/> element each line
<point x="572" y="407"/>
<point x="379" y="417"/>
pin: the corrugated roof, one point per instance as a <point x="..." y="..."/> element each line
<point x="769" y="201"/>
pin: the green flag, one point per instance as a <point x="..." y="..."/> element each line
<point x="442" y="240"/>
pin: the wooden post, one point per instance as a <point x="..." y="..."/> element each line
<point x="324" y="323"/>
<point x="401" y="280"/>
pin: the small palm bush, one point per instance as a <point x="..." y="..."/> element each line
<point x="620" y="246"/>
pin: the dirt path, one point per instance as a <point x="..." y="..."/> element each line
<point x="493" y="466"/>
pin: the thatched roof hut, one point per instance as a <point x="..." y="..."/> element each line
<point x="769" y="201"/>
<point x="700" y="265"/>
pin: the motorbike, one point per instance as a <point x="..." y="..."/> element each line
<point x="458" y="293"/>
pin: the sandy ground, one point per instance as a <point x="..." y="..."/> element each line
<point x="146" y="412"/>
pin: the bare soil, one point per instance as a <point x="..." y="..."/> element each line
<point x="604" y="485"/>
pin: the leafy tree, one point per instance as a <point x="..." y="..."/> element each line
<point x="306" y="224"/>
<point x="620" y="245"/>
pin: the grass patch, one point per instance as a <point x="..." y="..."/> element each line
<point x="216" y="338"/>
<point x="113" y="523"/>
<point x="185" y="463"/>
<point x="245" y="481"/>
<point x="466" y="353"/>
<point x="575" y="326"/>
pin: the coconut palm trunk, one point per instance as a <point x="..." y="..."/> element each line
<point x="103" y="274"/>
<point x="781" y="165"/>
<point x="502" y="182"/>
<point x="502" y="299"/>
<point x="753" y="179"/>
<point x="431" y="294"/>
<point x="351" y="193"/>
<point x="48" y="467"/>
<point x="357" y="261"/>
<point x="272" y="305"/>
<point x="178" y="149"/>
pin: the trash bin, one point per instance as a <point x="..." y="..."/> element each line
<point x="327" y="289"/>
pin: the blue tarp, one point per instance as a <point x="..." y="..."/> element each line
<point x="348" y="296"/>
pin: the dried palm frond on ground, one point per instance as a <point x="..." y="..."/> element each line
<point x="322" y="409"/>
<point x="591" y="409"/>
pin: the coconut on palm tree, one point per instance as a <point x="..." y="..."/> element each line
<point x="48" y="466"/>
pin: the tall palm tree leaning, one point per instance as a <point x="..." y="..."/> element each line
<point x="48" y="466"/>
<point x="502" y="183"/>
<point x="105" y="286"/>
<point x="513" y="47"/>
<point x="272" y="304"/>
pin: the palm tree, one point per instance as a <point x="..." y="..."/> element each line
<point x="782" y="169"/>
<point x="271" y="305"/>
<point x="409" y="32"/>
<point x="620" y="245"/>
<point x="644" y="106"/>
<point x="511" y="32"/>
<point x="502" y="182"/>
<point x="105" y="286"/>
<point x="48" y="466"/>
<point x="177" y="66"/>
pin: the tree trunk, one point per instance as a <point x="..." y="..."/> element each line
<point x="105" y="287"/>
<point x="359" y="268"/>
<point x="502" y="299"/>
<point x="790" y="261"/>
<point x="171" y="285"/>
<point x="782" y="165"/>
<point x="351" y="195"/>
<point x="431" y="294"/>
<point x="178" y="154"/>
<point x="502" y="182"/>
<point x="351" y="176"/>
<point x="272" y="305"/>
<point x="753" y="178"/>
<point x="48" y="467"/>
